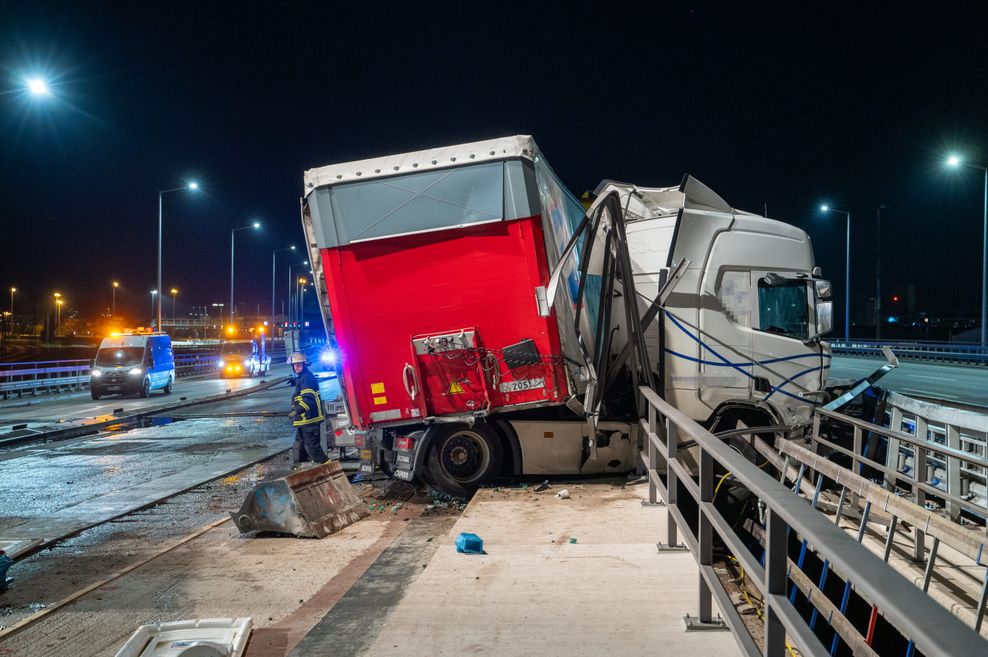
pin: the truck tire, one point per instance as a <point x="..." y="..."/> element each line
<point x="461" y="459"/>
<point x="96" y="393"/>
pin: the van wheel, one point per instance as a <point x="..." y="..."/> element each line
<point x="145" y="388"/>
<point x="168" y="386"/>
<point x="461" y="459"/>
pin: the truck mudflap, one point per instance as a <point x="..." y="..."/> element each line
<point x="315" y="502"/>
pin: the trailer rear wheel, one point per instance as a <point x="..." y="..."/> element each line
<point x="461" y="459"/>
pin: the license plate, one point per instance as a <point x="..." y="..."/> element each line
<point x="367" y="467"/>
<point x="522" y="384"/>
<point x="113" y="388"/>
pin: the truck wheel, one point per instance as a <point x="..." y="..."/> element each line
<point x="461" y="459"/>
<point x="95" y="392"/>
<point x="145" y="388"/>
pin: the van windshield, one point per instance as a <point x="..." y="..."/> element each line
<point x="120" y="356"/>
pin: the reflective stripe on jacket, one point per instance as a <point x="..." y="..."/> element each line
<point x="306" y="402"/>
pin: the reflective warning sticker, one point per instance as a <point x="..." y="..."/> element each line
<point x="380" y="401"/>
<point x="377" y="388"/>
<point x="455" y="388"/>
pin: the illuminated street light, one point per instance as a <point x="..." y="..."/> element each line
<point x="38" y="87"/>
<point x="847" y="272"/>
<point x="174" y="294"/>
<point x="154" y="292"/>
<point x="58" y="312"/>
<point x="191" y="186"/>
<point x="955" y="162"/>
<point x="113" y="309"/>
<point x="12" y="290"/>
<point x="255" y="225"/>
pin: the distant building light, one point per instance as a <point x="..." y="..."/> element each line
<point x="892" y="320"/>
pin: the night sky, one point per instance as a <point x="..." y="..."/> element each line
<point x="787" y="105"/>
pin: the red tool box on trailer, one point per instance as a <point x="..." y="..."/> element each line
<point x="431" y="269"/>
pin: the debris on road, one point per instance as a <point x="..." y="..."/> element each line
<point x="208" y="637"/>
<point x="469" y="543"/>
<point x="543" y="486"/>
<point x="313" y="502"/>
<point x="563" y="494"/>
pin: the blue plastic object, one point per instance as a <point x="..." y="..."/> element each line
<point x="469" y="544"/>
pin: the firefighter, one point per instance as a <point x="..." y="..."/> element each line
<point x="306" y="413"/>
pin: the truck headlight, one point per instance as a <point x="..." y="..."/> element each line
<point x="328" y="357"/>
<point x="136" y="371"/>
<point x="220" y="363"/>
<point x="97" y="372"/>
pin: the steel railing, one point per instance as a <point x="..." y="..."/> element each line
<point x="59" y="375"/>
<point x="931" y="629"/>
<point x="939" y="352"/>
<point x="933" y="450"/>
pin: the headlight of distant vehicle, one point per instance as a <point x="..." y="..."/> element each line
<point x="327" y="357"/>
<point x="136" y="371"/>
<point x="220" y="363"/>
<point x="247" y="363"/>
<point x="97" y="372"/>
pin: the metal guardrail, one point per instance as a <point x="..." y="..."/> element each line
<point x="933" y="450"/>
<point x="939" y="352"/>
<point x="931" y="629"/>
<point x="58" y="375"/>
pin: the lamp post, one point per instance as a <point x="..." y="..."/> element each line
<point x="292" y="283"/>
<point x="174" y="294"/>
<point x="878" y="271"/>
<point x="273" y="258"/>
<point x="955" y="161"/>
<point x="58" y="312"/>
<point x="154" y="292"/>
<point x="12" y="290"/>
<point x="192" y="186"/>
<point x="847" y="272"/>
<point x="233" y="232"/>
<point x="113" y="308"/>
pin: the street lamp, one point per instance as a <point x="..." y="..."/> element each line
<point x="154" y="292"/>
<point x="113" y="310"/>
<point x="291" y="297"/>
<point x="58" y="312"/>
<point x="192" y="186"/>
<point x="174" y="294"/>
<point x="38" y="87"/>
<point x="233" y="232"/>
<point x="847" y="272"/>
<point x="12" y="290"/>
<point x="273" y="257"/>
<point x="955" y="161"/>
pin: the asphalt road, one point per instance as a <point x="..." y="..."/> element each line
<point x="952" y="383"/>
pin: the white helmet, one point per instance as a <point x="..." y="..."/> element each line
<point x="298" y="357"/>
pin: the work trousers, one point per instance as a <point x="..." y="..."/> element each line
<point x="306" y="446"/>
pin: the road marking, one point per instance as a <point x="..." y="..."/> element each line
<point x="933" y="378"/>
<point x="926" y="393"/>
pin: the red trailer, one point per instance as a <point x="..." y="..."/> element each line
<point x="434" y="278"/>
<point x="431" y="270"/>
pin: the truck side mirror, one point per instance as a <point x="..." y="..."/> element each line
<point x="824" y="319"/>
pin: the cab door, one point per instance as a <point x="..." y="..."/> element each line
<point x="786" y="363"/>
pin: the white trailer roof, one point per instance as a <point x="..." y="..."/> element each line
<point x="518" y="146"/>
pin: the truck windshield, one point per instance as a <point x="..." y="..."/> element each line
<point x="784" y="309"/>
<point x="241" y="349"/>
<point x="120" y="356"/>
